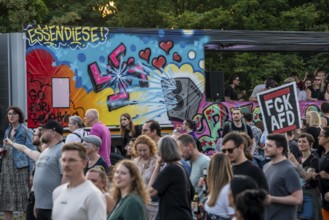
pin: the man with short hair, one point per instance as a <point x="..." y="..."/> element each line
<point x="230" y="91"/>
<point x="237" y="125"/>
<point x="233" y="147"/>
<point x="152" y="129"/>
<point x="48" y="173"/>
<point x="79" y="198"/>
<point x="285" y="191"/>
<point x="325" y="114"/>
<point x="100" y="130"/>
<point x="198" y="161"/>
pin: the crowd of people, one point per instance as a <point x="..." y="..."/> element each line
<point x="313" y="87"/>
<point x="252" y="174"/>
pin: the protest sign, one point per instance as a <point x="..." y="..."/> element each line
<point x="280" y="108"/>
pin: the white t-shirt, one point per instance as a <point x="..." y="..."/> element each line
<point x="83" y="202"/>
<point x="75" y="138"/>
<point x="221" y="206"/>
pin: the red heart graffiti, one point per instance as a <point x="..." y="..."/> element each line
<point x="145" y="54"/>
<point x="177" y="57"/>
<point x="166" y="46"/>
<point x="159" y="62"/>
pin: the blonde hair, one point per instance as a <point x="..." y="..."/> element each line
<point x="101" y="172"/>
<point x="137" y="185"/>
<point x="315" y="119"/>
<point x="144" y="139"/>
<point x="219" y="174"/>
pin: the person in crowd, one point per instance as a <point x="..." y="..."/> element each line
<point x="189" y="127"/>
<point x="290" y="80"/>
<point x="100" y="130"/>
<point x="34" y="155"/>
<point x="292" y="144"/>
<point x="325" y="114"/>
<point x="321" y="73"/>
<point x="323" y="174"/>
<point x="230" y="91"/>
<point x="250" y="205"/>
<point x="199" y="162"/>
<point x="299" y="83"/>
<point x="78" y="198"/>
<point x="172" y="184"/>
<point x="234" y="148"/>
<point x="257" y="132"/>
<point x="76" y="127"/>
<point x="129" y="192"/>
<point x="313" y="128"/>
<point x="131" y="154"/>
<point x="248" y="147"/>
<point x="285" y="192"/>
<point x="269" y="84"/>
<point x="314" y="91"/>
<point x="237" y="125"/>
<point x="152" y="129"/>
<point x="325" y="94"/>
<point x="238" y="184"/>
<point x="92" y="143"/>
<point x="306" y="166"/>
<point x="98" y="177"/>
<point x="48" y="172"/>
<point x="16" y="168"/>
<point x="147" y="156"/>
<point x="146" y="161"/>
<point x="219" y="176"/>
<point x="127" y="130"/>
<point x="302" y="96"/>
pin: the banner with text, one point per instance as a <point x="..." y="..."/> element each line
<point x="280" y="108"/>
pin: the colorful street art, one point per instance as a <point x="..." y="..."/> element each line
<point x="151" y="74"/>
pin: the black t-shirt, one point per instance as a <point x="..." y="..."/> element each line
<point x="230" y="92"/>
<point x="229" y="128"/>
<point x="315" y="132"/>
<point x="315" y="93"/>
<point x="311" y="162"/>
<point x="324" y="183"/>
<point x="247" y="168"/>
<point x="293" y="146"/>
<point x="172" y="188"/>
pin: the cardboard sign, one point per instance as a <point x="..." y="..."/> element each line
<point x="280" y="108"/>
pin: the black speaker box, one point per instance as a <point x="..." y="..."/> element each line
<point x="215" y="88"/>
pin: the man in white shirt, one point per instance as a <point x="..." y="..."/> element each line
<point x="78" y="199"/>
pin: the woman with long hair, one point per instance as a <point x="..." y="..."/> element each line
<point x="302" y="96"/>
<point x="313" y="121"/>
<point x="172" y="184"/>
<point x="127" y="130"/>
<point x="306" y="166"/>
<point x="16" y="167"/>
<point x="147" y="157"/>
<point x="129" y="192"/>
<point x="131" y="154"/>
<point x="219" y="176"/>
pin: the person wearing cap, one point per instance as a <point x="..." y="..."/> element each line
<point x="100" y="130"/>
<point x="48" y="173"/>
<point x="79" y="198"/>
<point x="92" y="143"/>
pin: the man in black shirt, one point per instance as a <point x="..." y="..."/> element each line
<point x="230" y="91"/>
<point x="233" y="147"/>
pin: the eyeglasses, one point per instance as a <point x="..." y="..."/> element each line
<point x="10" y="114"/>
<point x="229" y="150"/>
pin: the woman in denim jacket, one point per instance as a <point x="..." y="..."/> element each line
<point x="16" y="167"/>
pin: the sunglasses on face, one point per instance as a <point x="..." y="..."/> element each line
<point x="229" y="150"/>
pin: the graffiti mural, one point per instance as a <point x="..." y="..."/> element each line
<point x="151" y="74"/>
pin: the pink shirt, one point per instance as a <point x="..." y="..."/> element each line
<point x="100" y="130"/>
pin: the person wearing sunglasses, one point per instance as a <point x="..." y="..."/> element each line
<point x="314" y="92"/>
<point x="234" y="148"/>
<point x="230" y="91"/>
